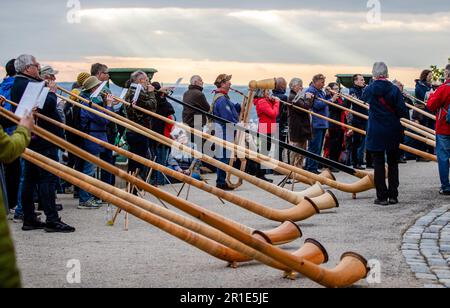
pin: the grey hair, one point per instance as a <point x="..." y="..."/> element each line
<point x="22" y="62"/>
<point x="380" y="70"/>
<point x="447" y="68"/>
<point x="194" y="79"/>
<point x="135" y="76"/>
<point x="295" y="82"/>
<point x="397" y="83"/>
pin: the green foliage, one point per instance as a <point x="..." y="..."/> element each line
<point x="438" y="73"/>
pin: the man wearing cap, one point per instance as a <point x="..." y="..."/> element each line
<point x="96" y="126"/>
<point x="48" y="73"/>
<point x="224" y="108"/>
<point x="28" y="72"/>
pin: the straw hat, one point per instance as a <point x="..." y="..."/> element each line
<point x="91" y="83"/>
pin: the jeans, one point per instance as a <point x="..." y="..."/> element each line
<point x="358" y="147"/>
<point x="107" y="177"/>
<point x="443" y="156"/>
<point x="13" y="172"/>
<point x="88" y="169"/>
<point x="316" y="147"/>
<point x="46" y="183"/>
<point x="379" y="162"/>
<point x="162" y="154"/>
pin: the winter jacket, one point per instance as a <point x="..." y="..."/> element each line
<point x="146" y="100"/>
<point x="358" y="121"/>
<point x="319" y="107"/>
<point x="267" y="110"/>
<point x="387" y="107"/>
<point x="299" y="121"/>
<point x="49" y="110"/>
<point x="94" y="125"/>
<point x="282" y="118"/>
<point x="195" y="97"/>
<point x="10" y="149"/>
<point x="439" y="102"/>
<point x="224" y="108"/>
<point x="164" y="109"/>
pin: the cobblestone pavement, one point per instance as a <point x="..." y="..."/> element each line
<point x="426" y="247"/>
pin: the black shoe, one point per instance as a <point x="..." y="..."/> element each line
<point x="359" y="167"/>
<point x="58" y="227"/>
<point x="369" y="167"/>
<point x="334" y="170"/>
<point x="381" y="202"/>
<point x="393" y="201"/>
<point x="402" y="161"/>
<point x="444" y="192"/>
<point x="59" y="207"/>
<point x="34" y="225"/>
<point x="265" y="179"/>
<point x="225" y="187"/>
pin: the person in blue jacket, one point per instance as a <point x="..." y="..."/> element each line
<point x="385" y="132"/>
<point x="223" y="107"/>
<point x="97" y="127"/>
<point x="319" y="126"/>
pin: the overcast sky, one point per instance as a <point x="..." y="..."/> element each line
<point x="207" y="37"/>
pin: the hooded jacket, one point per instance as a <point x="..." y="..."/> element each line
<point x="267" y="110"/>
<point x="387" y="107"/>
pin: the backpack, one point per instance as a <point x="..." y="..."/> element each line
<point x="73" y="119"/>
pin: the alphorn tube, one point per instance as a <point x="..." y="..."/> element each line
<point x="407" y="133"/>
<point x="301" y="212"/>
<point x="423" y="128"/>
<point x="362" y="185"/>
<point x="175" y="201"/>
<point x="350" y="270"/>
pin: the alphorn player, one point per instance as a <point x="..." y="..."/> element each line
<point x="385" y="132"/>
<point x="28" y="72"/>
<point x="439" y="102"/>
<point x="10" y="149"/>
<point x="223" y="107"/>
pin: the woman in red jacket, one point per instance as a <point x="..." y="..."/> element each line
<point x="267" y="109"/>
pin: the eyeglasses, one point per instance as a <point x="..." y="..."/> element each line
<point x="105" y="73"/>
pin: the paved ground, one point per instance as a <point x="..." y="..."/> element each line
<point x="147" y="257"/>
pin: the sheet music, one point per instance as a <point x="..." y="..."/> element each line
<point x="43" y="97"/>
<point x="137" y="93"/>
<point x="30" y="98"/>
<point x="124" y="92"/>
<point x="99" y="89"/>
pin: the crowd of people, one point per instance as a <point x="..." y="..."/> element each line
<point x="25" y="184"/>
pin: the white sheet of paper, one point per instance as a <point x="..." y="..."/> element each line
<point x="99" y="89"/>
<point x="43" y="97"/>
<point x="137" y="93"/>
<point x="124" y="92"/>
<point x="30" y="98"/>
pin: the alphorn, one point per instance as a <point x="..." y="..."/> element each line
<point x="364" y="184"/>
<point x="175" y="201"/>
<point x="428" y="140"/>
<point x="349" y="271"/>
<point x="203" y="237"/>
<point x="302" y="211"/>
